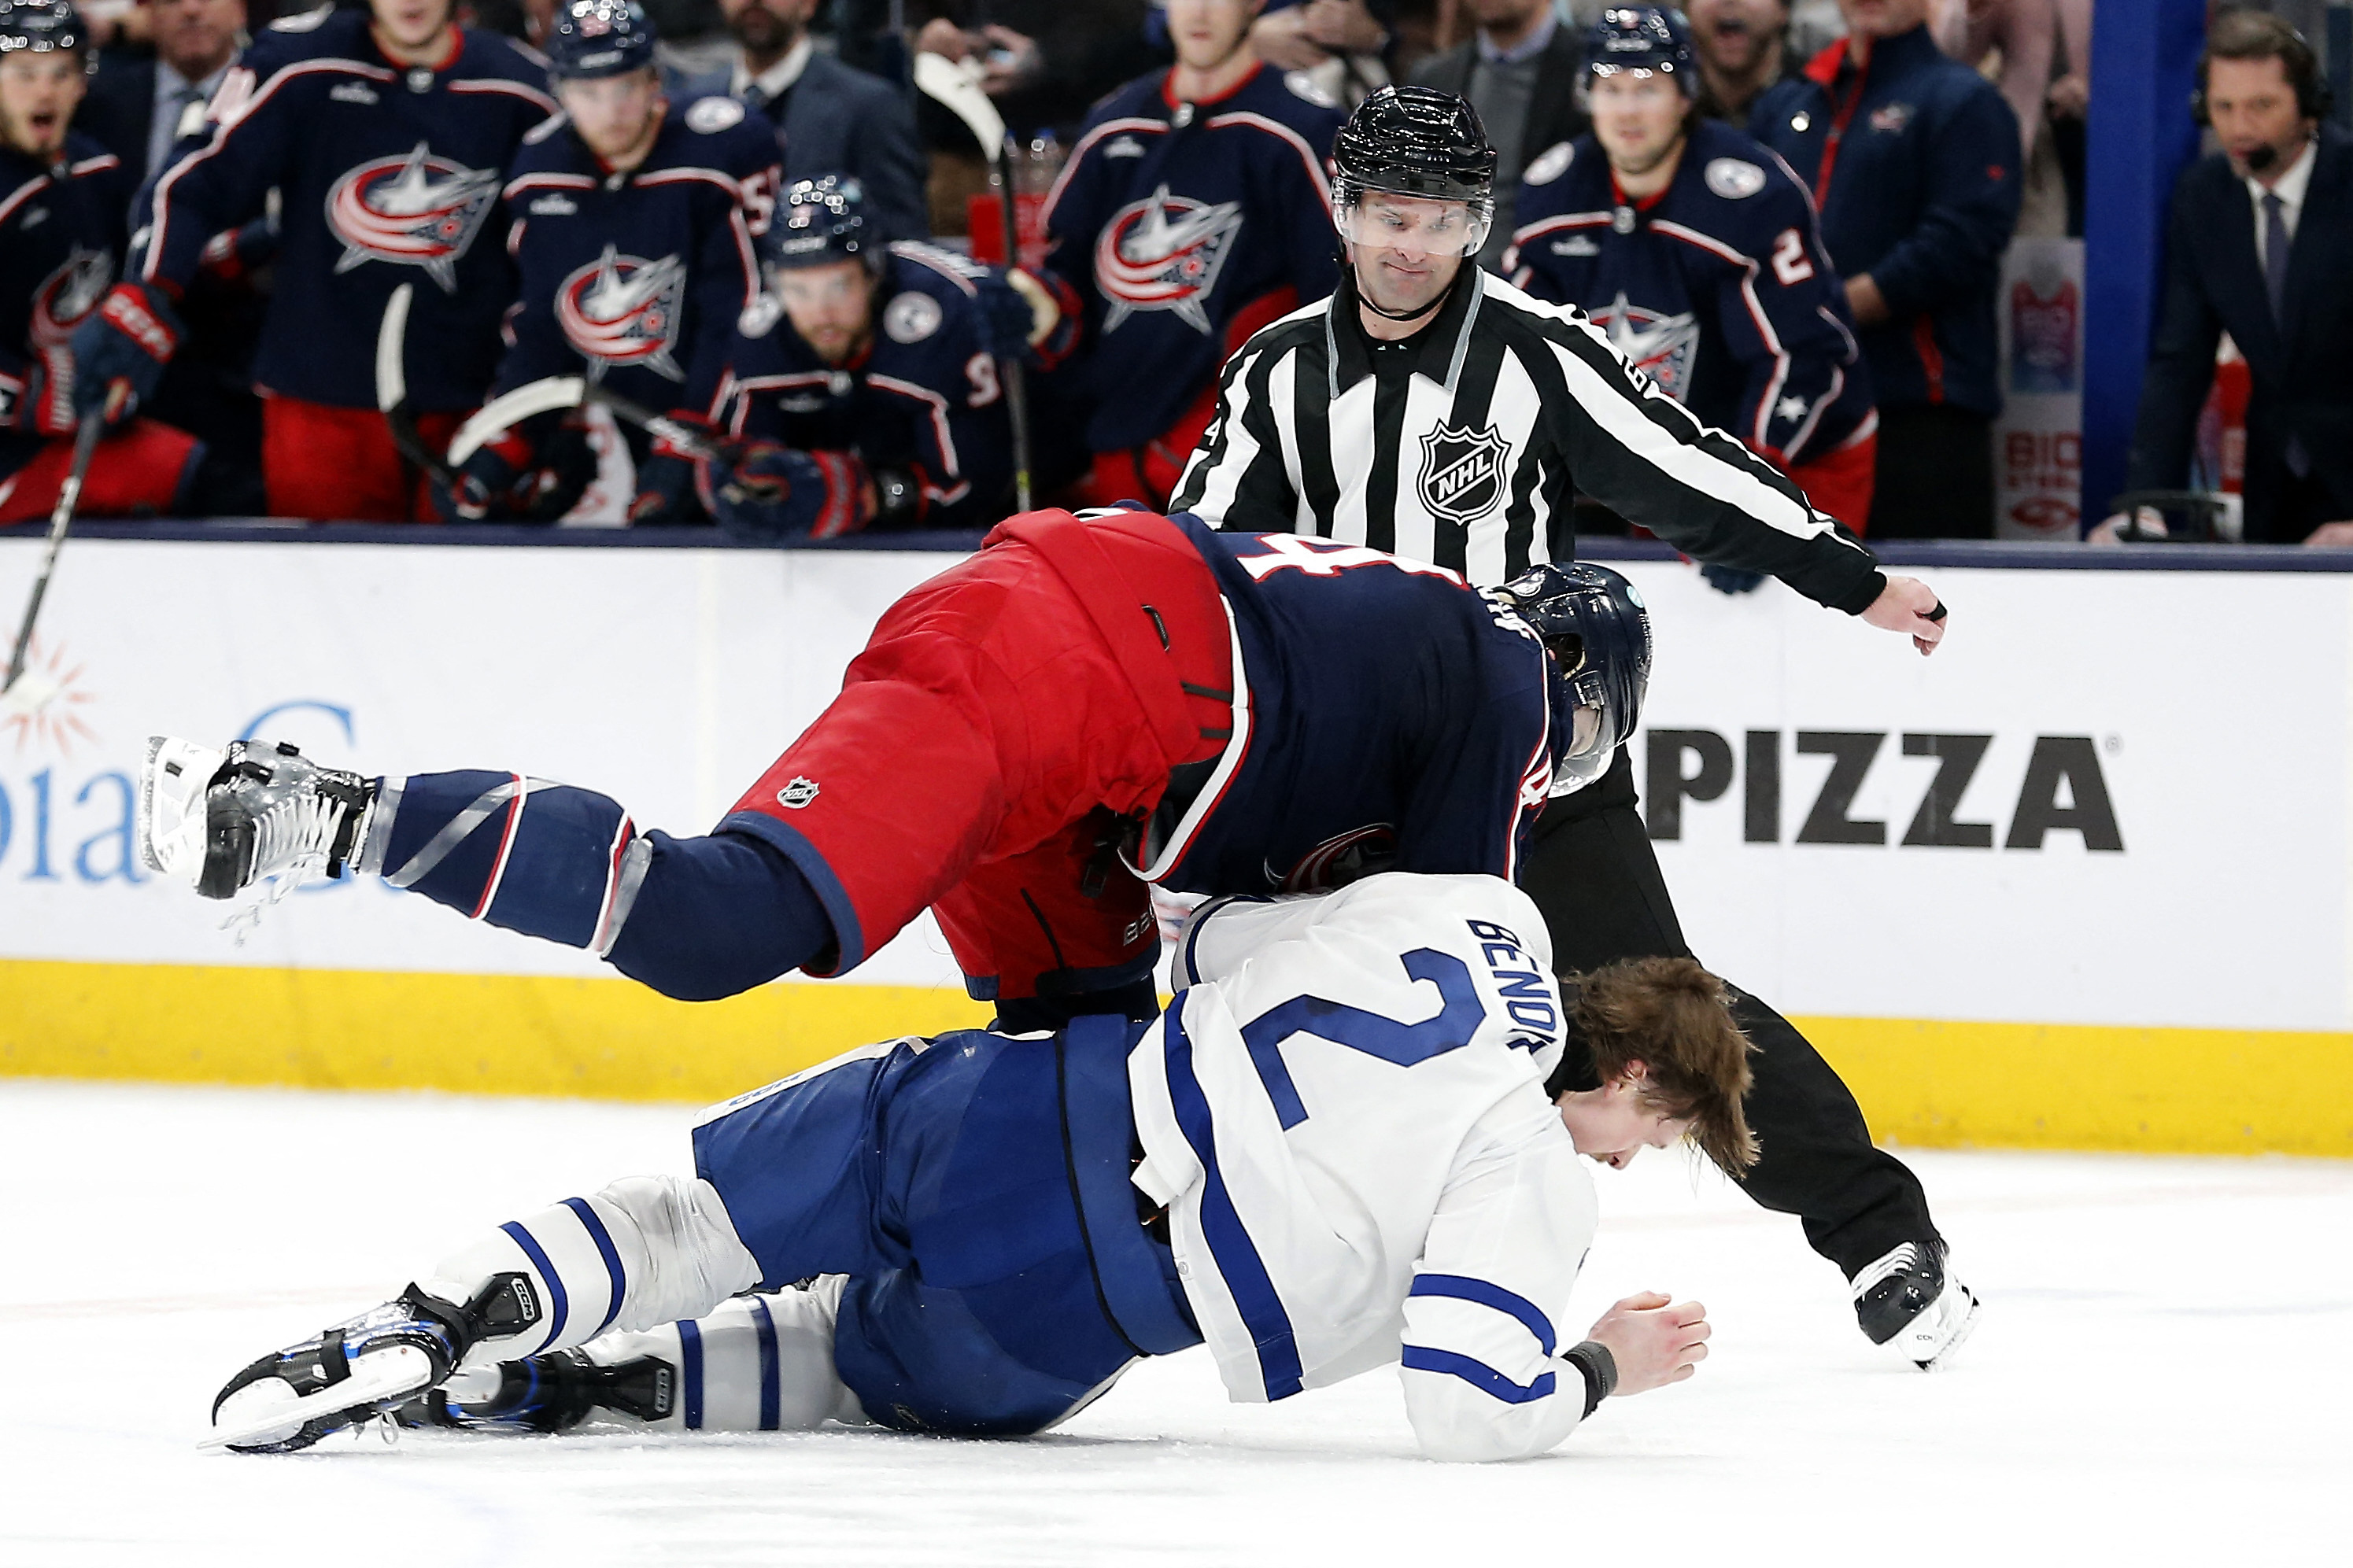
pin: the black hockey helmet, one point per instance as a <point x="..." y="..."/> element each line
<point x="598" y="37"/>
<point x="1415" y="142"/>
<point x="822" y="220"/>
<point x="1593" y="624"/>
<point x="1653" y="38"/>
<point x="44" y="26"/>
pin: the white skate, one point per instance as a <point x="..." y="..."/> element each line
<point x="223" y="820"/>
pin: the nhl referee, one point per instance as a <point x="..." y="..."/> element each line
<point x="1433" y="411"/>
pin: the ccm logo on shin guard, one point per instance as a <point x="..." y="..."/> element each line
<point x="797" y="794"/>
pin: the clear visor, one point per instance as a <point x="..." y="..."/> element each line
<point x="1425" y="226"/>
<point x="1592" y="740"/>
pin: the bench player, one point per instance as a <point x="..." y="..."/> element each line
<point x="64" y="200"/>
<point x="1340" y="1141"/>
<point x="386" y="133"/>
<point x="632" y="222"/>
<point x="1085" y="706"/>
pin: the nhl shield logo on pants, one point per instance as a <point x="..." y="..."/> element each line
<point x="1461" y="472"/>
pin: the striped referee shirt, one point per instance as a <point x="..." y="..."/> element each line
<point x="1464" y="445"/>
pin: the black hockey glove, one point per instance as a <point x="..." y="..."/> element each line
<point x="774" y="493"/>
<point x="1731" y="579"/>
<point x="129" y="338"/>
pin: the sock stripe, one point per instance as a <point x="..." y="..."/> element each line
<point x="453" y="833"/>
<point x="605" y="1249"/>
<point x="558" y="1304"/>
<point x="602" y="942"/>
<point x="506" y="846"/>
<point x="771" y="1386"/>
<point x="689" y="1348"/>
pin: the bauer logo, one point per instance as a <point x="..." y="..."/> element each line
<point x="797" y="794"/>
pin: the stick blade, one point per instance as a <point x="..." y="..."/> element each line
<point x="391" y="375"/>
<point x="27" y="695"/>
<point x="958" y="88"/>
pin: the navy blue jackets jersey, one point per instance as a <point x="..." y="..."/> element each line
<point x="639" y="278"/>
<point x="1184" y="228"/>
<point x="62" y="228"/>
<point x="1719" y="288"/>
<point x="923" y="397"/>
<point x="386" y="175"/>
<point x="1915" y="164"/>
<point x="1356" y="751"/>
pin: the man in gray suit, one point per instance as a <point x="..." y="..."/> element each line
<point x="1521" y="71"/>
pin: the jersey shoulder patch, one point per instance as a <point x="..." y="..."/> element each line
<point x="911" y="317"/>
<point x="1734" y="179"/>
<point x="711" y="115"/>
<point x="1551" y="164"/>
<point x="302" y="21"/>
<point x="1303" y="84"/>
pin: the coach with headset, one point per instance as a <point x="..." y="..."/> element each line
<point x="2261" y="246"/>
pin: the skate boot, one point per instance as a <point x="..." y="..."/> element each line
<point x="553" y="1392"/>
<point x="371" y="1363"/>
<point x="221" y="821"/>
<point x="1911" y="1301"/>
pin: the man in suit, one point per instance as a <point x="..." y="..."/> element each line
<point x="2261" y="243"/>
<point x="135" y="104"/>
<point x="1521" y="72"/>
<point x="834" y="118"/>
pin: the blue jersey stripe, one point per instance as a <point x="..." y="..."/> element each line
<point x="1462" y="1287"/>
<point x="770" y="1390"/>
<point x="689" y="1348"/>
<point x="605" y="1249"/>
<point x="1477" y="1373"/>
<point x="1236" y="1254"/>
<point x="558" y="1304"/>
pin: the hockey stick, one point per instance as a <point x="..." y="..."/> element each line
<point x="502" y="414"/>
<point x="392" y="386"/>
<point x="956" y="88"/>
<point x="24" y="693"/>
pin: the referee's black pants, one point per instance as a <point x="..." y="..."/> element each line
<point x="1591" y="871"/>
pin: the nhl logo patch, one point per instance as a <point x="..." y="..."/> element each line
<point x="797" y="794"/>
<point x="1461" y="472"/>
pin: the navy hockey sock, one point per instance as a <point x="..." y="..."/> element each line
<point x="718" y="915"/>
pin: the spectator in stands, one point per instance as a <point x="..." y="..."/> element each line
<point x="2261" y="246"/>
<point x="1342" y="45"/>
<point x="1048" y="60"/>
<point x="1521" y="72"/>
<point x="1743" y="47"/>
<point x="834" y="118"/>
<point x="137" y="102"/>
<point x="1914" y="161"/>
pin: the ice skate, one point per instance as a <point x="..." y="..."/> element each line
<point x="1911" y="1301"/>
<point x="551" y="1392"/>
<point x="361" y="1367"/>
<point x="223" y="820"/>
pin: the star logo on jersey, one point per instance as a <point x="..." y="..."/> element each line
<point x="1164" y="253"/>
<point x="66" y="296"/>
<point x="1660" y="346"/>
<point x="416" y="210"/>
<point x="626" y="310"/>
<point x="1461" y="472"/>
<point x="1792" y="407"/>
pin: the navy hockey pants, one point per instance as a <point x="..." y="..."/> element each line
<point x="974" y="1187"/>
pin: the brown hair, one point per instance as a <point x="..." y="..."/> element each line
<point x="1675" y="1018"/>
<point x="2260" y="36"/>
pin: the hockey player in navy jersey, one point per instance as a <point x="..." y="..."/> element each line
<point x="1086" y="706"/>
<point x="1696" y="250"/>
<point x="385" y="133"/>
<point x="632" y="222"/>
<point x="1343" y="1142"/>
<point x="63" y="201"/>
<point x="866" y="390"/>
<point x="1194" y="210"/>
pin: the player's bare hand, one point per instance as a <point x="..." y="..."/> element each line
<point x="1909" y="606"/>
<point x="1654" y="1339"/>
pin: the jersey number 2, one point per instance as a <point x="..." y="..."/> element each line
<point x="1791" y="265"/>
<point x="1371" y="1033"/>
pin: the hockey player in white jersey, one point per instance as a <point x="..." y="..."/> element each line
<point x="1341" y="1149"/>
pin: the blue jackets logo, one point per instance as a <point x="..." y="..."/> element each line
<point x="1164" y="253"/>
<point x="1660" y="346"/>
<point x="1461" y="472"/>
<point x="67" y="295"/>
<point x="416" y="210"/>
<point x="625" y="309"/>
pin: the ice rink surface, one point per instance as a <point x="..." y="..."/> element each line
<point x="2161" y="1376"/>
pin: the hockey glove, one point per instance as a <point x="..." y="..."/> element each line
<point x="1730" y="579"/>
<point x="1025" y="318"/>
<point x="774" y="493"/>
<point x="129" y="338"/>
<point x="665" y="479"/>
<point x="41" y="404"/>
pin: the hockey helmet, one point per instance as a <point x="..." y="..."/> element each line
<point x="44" y="26"/>
<point x="598" y="37"/>
<point x="1595" y="626"/>
<point x="1416" y="142"/>
<point x="822" y="220"/>
<point x="1650" y="38"/>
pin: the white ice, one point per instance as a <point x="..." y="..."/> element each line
<point x="2161" y="1376"/>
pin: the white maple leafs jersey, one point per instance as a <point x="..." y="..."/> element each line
<point x="1344" y="1111"/>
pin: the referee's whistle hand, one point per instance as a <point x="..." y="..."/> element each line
<point x="1909" y="606"/>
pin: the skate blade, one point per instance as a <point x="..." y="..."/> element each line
<point x="399" y="1373"/>
<point x="27" y="695"/>
<point x="1942" y="1360"/>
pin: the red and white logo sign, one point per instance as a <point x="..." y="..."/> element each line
<point x="419" y="210"/>
<point x="1164" y="253"/>
<point x="625" y="309"/>
<point x="68" y="295"/>
<point x="1662" y="347"/>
